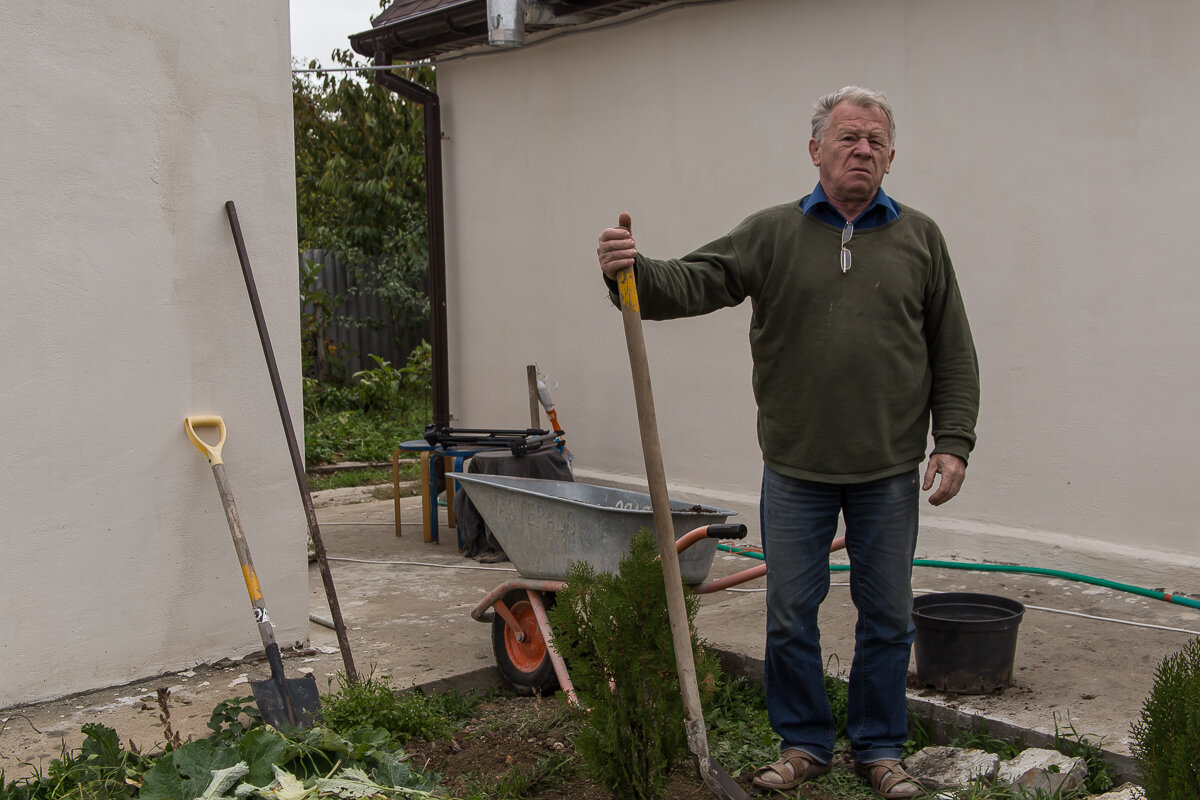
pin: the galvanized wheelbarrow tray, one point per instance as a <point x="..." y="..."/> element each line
<point x="544" y="526"/>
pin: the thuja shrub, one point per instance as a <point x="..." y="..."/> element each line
<point x="1167" y="735"/>
<point x="615" y="633"/>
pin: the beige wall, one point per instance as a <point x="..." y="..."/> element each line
<point x="126" y="126"/>
<point x="1054" y="142"/>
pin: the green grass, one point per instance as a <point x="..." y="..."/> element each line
<point x="351" y="435"/>
<point x="367" y="419"/>
<point x="551" y="772"/>
<point x="366" y="476"/>
<point x="376" y="703"/>
<point x="844" y="785"/>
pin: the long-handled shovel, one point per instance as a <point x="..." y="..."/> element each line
<point x="716" y="778"/>
<point x="281" y="701"/>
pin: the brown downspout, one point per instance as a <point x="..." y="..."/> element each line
<point x="436" y="227"/>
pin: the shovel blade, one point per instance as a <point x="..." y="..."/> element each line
<point x="718" y="781"/>
<point x="292" y="706"/>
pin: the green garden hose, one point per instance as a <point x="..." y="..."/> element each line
<point x="1054" y="573"/>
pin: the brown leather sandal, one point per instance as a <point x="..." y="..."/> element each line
<point x="791" y="770"/>
<point x="889" y="780"/>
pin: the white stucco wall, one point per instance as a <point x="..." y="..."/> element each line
<point x="1054" y="142"/>
<point x="125" y="128"/>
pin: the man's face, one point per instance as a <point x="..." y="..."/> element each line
<point x="855" y="153"/>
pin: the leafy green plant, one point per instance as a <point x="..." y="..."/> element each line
<point x="240" y="758"/>
<point x="233" y="717"/>
<point x="614" y="631"/>
<point x="264" y="762"/>
<point x="100" y="768"/>
<point x="395" y="391"/>
<point x="321" y="397"/>
<point x="1167" y="734"/>
<point x="366" y="420"/>
<point x="375" y="703"/>
<point x="381" y="390"/>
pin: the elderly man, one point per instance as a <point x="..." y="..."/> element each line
<point x="858" y="336"/>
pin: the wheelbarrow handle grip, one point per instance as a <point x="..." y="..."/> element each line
<point x="211" y="452"/>
<point x="727" y="531"/>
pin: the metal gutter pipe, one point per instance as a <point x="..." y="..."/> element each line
<point x="506" y="23"/>
<point x="431" y="104"/>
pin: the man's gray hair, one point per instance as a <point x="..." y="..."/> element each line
<point x="863" y="98"/>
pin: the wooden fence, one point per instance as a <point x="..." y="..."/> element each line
<point x="358" y="325"/>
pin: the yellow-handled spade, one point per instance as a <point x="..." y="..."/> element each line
<point x="283" y="702"/>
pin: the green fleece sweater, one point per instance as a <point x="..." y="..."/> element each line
<point x="848" y="367"/>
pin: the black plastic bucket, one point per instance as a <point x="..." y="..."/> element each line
<point x="966" y="643"/>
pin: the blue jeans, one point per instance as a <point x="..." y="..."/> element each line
<point x="799" y="521"/>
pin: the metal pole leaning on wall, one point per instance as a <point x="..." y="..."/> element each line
<point x="314" y="530"/>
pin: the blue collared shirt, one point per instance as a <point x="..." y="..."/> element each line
<point x="883" y="209"/>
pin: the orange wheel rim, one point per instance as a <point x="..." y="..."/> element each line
<point x="528" y="655"/>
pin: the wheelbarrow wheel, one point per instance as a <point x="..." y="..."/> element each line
<point x="524" y="664"/>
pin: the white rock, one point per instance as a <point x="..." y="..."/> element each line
<point x="945" y="767"/>
<point x="1047" y="770"/>
<point x="1129" y="791"/>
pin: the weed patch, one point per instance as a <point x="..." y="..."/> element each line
<point x="375" y="703"/>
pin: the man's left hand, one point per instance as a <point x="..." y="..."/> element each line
<point x="952" y="469"/>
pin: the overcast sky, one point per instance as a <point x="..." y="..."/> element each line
<point x="320" y="26"/>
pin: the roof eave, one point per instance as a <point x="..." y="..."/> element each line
<point x="460" y="26"/>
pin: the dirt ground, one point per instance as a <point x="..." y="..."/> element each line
<point x="510" y="735"/>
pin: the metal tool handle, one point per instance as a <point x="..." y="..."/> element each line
<point x="310" y="514"/>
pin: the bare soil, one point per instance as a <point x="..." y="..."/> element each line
<point x="510" y="735"/>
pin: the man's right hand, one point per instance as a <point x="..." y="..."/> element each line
<point x="617" y="248"/>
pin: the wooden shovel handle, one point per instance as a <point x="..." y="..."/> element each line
<point x="664" y="527"/>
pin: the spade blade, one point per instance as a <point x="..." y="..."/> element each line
<point x="292" y="706"/>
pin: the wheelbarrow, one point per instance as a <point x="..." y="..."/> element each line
<point x="544" y="526"/>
